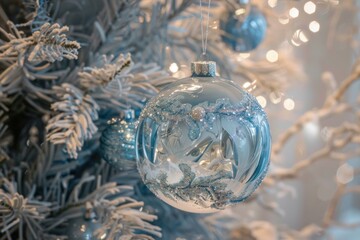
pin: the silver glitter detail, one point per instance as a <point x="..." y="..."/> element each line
<point x="203" y="69"/>
<point x="189" y="188"/>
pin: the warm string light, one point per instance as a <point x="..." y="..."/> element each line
<point x="300" y="36"/>
<point x="312" y="129"/>
<point x="294" y="12"/>
<point x="310" y="7"/>
<point x="249" y="86"/>
<point x="275" y="98"/>
<point x="246" y="85"/>
<point x="303" y="37"/>
<point x="289" y="104"/>
<point x="262" y="101"/>
<point x="240" y="11"/>
<point x="284" y="20"/>
<point x="174" y="68"/>
<point x="314" y="26"/>
<point x="242" y="56"/>
<point x="272" y="3"/>
<point x="272" y="56"/>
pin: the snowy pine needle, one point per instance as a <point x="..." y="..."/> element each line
<point x="118" y="83"/>
<point x="47" y="44"/>
<point x="94" y="77"/>
<point x="73" y="120"/>
<point x="16" y="211"/>
<point x="120" y="216"/>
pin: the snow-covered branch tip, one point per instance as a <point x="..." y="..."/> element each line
<point x="73" y="120"/>
<point x="93" y="77"/>
<point x="119" y="215"/>
<point x="20" y="213"/>
<point x="117" y="83"/>
<point x="123" y="218"/>
<point x="48" y="44"/>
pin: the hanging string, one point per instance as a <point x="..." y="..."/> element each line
<point x="204" y="40"/>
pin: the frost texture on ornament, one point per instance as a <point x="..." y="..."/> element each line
<point x="203" y="143"/>
<point x="244" y="36"/>
<point x="117" y="143"/>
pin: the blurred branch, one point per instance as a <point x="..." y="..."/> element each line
<point x="331" y="106"/>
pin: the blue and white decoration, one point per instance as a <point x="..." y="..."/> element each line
<point x="203" y="143"/>
<point x="244" y="35"/>
<point x="83" y="227"/>
<point x="118" y="142"/>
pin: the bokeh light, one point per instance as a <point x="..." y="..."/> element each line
<point x="272" y="56"/>
<point x="310" y="7"/>
<point x="272" y="3"/>
<point x="275" y="97"/>
<point x="284" y="20"/>
<point x="345" y="174"/>
<point x="289" y="104"/>
<point x="246" y="85"/>
<point x="262" y="101"/>
<point x="294" y="12"/>
<point x="314" y="26"/>
<point x="174" y="68"/>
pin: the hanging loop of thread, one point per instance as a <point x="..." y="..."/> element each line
<point x="204" y="40"/>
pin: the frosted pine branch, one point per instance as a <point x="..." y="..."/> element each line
<point x="120" y="216"/>
<point x="47" y="44"/>
<point x="73" y="120"/>
<point x="93" y="77"/>
<point x="20" y="213"/>
<point x="120" y="83"/>
<point x="333" y="105"/>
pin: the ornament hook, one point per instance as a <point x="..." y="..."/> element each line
<point x="204" y="40"/>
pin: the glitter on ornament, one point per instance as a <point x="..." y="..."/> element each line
<point x="117" y="143"/>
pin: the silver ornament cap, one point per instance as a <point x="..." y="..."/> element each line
<point x="203" y="69"/>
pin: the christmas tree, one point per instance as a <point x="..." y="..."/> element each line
<point x="76" y="75"/>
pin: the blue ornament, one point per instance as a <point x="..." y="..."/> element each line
<point x="203" y="143"/>
<point x="83" y="228"/>
<point x="246" y="35"/>
<point x="117" y="143"/>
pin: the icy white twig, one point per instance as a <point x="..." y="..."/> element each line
<point x="47" y="44"/>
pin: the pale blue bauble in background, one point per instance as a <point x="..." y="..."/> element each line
<point x="203" y="143"/>
<point x="246" y="35"/>
<point x="82" y="229"/>
<point x="117" y="143"/>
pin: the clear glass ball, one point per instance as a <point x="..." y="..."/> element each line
<point x="202" y="144"/>
<point x="82" y="229"/>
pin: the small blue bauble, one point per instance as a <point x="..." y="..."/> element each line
<point x="117" y="143"/>
<point x="244" y="36"/>
<point x="203" y="143"/>
<point x="82" y="228"/>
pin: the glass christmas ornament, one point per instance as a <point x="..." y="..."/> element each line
<point x="203" y="143"/>
<point x="244" y="35"/>
<point x="117" y="143"/>
<point x="83" y="228"/>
